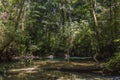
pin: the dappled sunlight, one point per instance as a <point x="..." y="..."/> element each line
<point x="33" y="69"/>
<point x="55" y="70"/>
<point x="83" y="64"/>
<point x="64" y="64"/>
<point x="40" y="63"/>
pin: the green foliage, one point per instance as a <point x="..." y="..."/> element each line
<point x="113" y="64"/>
<point x="53" y="26"/>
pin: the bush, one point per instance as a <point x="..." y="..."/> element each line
<point x="114" y="64"/>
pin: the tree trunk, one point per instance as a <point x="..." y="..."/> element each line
<point x="6" y="46"/>
<point x="93" y="5"/>
<point x="19" y="14"/>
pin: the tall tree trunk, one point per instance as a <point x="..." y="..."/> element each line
<point x="93" y="5"/>
<point x="112" y="26"/>
<point x="19" y="14"/>
<point x="23" y="19"/>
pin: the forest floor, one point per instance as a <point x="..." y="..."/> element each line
<point x="70" y="66"/>
<point x="55" y="70"/>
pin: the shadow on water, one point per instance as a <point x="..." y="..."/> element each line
<point x="37" y="71"/>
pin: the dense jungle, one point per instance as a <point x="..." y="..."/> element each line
<point x="59" y="39"/>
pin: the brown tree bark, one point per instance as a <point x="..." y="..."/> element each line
<point x="93" y="5"/>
